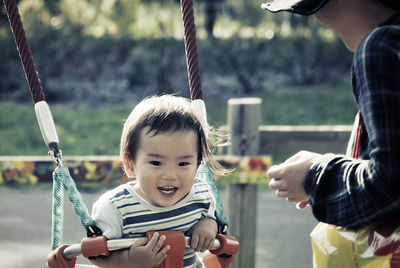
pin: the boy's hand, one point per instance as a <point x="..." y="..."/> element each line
<point x="203" y="234"/>
<point x="148" y="253"/>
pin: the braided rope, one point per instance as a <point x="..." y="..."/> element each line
<point x="204" y="172"/>
<point x="61" y="177"/>
<point x="62" y="180"/>
<point x="191" y="49"/>
<point x="57" y="218"/>
<point x="31" y="75"/>
<point x="192" y="62"/>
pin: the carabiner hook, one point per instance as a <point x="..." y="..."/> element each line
<point x="56" y="154"/>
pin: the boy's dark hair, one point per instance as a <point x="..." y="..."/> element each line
<point x="162" y="114"/>
<point x="161" y="120"/>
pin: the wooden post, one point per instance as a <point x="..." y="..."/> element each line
<point x="243" y="121"/>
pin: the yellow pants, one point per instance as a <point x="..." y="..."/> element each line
<point x="376" y="246"/>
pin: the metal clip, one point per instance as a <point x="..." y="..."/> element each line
<point x="56" y="156"/>
<point x="93" y="231"/>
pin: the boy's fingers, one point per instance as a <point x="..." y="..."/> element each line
<point x="211" y="245"/>
<point x="140" y="242"/>
<point x="162" y="254"/>
<point x="159" y="243"/>
<point x="206" y="245"/>
<point x="153" y="241"/>
<point x="194" y="241"/>
<point x="203" y="246"/>
<point x="200" y="245"/>
<point x="165" y="249"/>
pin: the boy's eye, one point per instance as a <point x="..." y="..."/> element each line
<point x="156" y="163"/>
<point x="183" y="164"/>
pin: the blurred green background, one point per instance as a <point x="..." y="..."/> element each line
<point x="97" y="59"/>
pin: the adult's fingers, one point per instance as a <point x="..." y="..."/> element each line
<point x="282" y="193"/>
<point x="273" y="172"/>
<point x="293" y="158"/>
<point x="301" y="205"/>
<point x="297" y="156"/>
<point x="277" y="184"/>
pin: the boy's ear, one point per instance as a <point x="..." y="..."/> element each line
<point x="128" y="166"/>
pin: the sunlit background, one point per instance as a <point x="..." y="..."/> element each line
<point x="97" y="59"/>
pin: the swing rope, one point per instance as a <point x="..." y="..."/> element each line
<point x="192" y="62"/>
<point x="24" y="50"/>
<point x="62" y="179"/>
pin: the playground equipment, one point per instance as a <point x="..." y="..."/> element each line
<point x="96" y="244"/>
<point x="221" y="255"/>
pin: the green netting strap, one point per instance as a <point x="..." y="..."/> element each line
<point x="62" y="180"/>
<point x="204" y="172"/>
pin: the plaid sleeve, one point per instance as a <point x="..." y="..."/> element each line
<point x="355" y="192"/>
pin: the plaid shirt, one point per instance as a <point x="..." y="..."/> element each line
<point x="355" y="192"/>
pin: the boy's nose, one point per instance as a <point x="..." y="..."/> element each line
<point x="169" y="174"/>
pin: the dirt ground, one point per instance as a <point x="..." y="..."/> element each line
<point x="25" y="229"/>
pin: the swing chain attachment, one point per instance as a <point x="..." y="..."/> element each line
<point x="56" y="154"/>
<point x="93" y="231"/>
<point x="48" y="130"/>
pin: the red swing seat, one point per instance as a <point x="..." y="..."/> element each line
<point x="220" y="257"/>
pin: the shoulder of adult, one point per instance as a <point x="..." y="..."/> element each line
<point x="376" y="62"/>
<point x="381" y="45"/>
<point x="382" y="37"/>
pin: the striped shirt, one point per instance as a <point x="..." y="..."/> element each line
<point x="122" y="213"/>
<point x="355" y="192"/>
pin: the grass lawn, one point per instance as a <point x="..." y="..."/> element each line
<point x="96" y="131"/>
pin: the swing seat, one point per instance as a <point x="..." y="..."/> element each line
<point x="225" y="248"/>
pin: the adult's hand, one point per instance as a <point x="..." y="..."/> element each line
<point x="287" y="178"/>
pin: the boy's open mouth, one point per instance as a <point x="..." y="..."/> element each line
<point x="167" y="189"/>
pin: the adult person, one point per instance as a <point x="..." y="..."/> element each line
<point x="363" y="186"/>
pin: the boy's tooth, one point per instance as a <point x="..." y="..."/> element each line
<point x="167" y="190"/>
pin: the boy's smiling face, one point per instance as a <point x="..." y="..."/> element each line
<point x="165" y="166"/>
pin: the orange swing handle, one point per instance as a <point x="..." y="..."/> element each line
<point x="56" y="259"/>
<point x="223" y="256"/>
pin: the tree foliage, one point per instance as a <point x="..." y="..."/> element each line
<point x="118" y="50"/>
<point x="154" y="18"/>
